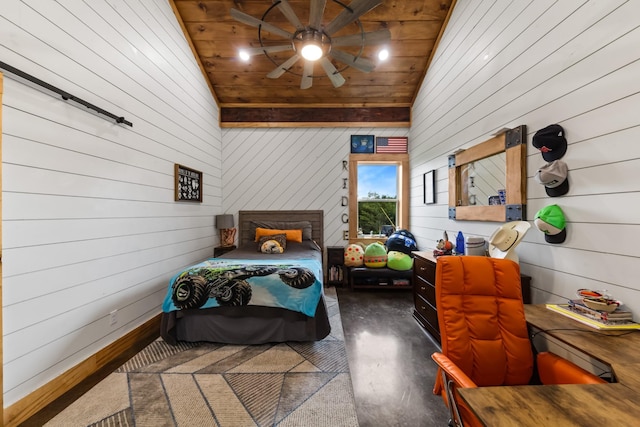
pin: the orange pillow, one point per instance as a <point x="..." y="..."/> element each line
<point x="292" y="235"/>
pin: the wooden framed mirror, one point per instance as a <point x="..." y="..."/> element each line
<point x="478" y="176"/>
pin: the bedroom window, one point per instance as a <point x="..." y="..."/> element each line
<point x="378" y="195"/>
<point x="377" y="198"/>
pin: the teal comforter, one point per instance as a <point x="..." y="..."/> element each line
<point x="294" y="284"/>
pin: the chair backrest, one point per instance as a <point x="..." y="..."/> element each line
<point x="481" y="317"/>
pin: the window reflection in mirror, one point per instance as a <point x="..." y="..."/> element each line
<point x="482" y="181"/>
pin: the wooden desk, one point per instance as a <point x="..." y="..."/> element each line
<point x="618" y="349"/>
<point x="569" y="405"/>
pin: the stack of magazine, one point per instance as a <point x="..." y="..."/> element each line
<point x="575" y="309"/>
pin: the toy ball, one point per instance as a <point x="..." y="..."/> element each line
<point x="354" y="255"/>
<point x="375" y="255"/>
<point x="400" y="261"/>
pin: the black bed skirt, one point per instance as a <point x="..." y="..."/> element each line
<point x="244" y="325"/>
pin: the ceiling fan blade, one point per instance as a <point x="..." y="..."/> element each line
<point x="252" y="51"/>
<point x="255" y="22"/>
<point x="357" y="8"/>
<point x="307" y="75"/>
<point x="361" y="64"/>
<point x="336" y="78"/>
<point x="288" y="13"/>
<point x="366" y="39"/>
<point x="280" y="70"/>
<point x="316" y="12"/>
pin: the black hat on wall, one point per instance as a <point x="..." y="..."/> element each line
<point x="551" y="142"/>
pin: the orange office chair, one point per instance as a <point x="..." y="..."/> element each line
<point x="484" y="334"/>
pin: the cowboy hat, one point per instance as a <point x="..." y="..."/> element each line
<point x="504" y="240"/>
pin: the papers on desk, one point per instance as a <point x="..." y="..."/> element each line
<point x="566" y="310"/>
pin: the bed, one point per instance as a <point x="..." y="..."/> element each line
<point x="250" y="312"/>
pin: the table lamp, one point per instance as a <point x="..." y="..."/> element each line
<point x="227" y="231"/>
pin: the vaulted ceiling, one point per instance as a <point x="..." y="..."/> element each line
<point x="247" y="97"/>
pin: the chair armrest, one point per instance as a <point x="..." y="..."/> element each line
<point x="553" y="369"/>
<point x="460" y="413"/>
<point x="453" y="372"/>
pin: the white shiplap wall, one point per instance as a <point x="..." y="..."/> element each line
<point x="89" y="222"/>
<point x="89" y="219"/>
<point x="290" y="168"/>
<point x="576" y="63"/>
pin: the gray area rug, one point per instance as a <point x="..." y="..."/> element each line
<point x="206" y="384"/>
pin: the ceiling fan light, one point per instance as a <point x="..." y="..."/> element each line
<point x="244" y="55"/>
<point x="383" y="55"/>
<point x="311" y="44"/>
<point x="311" y="51"/>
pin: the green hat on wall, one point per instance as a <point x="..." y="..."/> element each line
<point x="550" y="220"/>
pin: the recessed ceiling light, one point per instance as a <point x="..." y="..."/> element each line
<point x="383" y="55"/>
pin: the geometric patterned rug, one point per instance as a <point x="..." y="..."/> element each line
<point x="208" y="384"/>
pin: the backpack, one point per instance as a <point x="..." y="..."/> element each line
<point x="401" y="241"/>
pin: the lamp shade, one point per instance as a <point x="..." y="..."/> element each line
<point x="224" y="221"/>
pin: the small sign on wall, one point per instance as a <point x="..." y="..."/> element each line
<point x="188" y="184"/>
<point x="362" y="144"/>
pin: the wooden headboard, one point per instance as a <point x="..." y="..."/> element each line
<point x="315" y="217"/>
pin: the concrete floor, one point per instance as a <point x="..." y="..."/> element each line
<point x="390" y="360"/>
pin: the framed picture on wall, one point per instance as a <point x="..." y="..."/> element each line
<point x="429" y="187"/>
<point x="362" y="143"/>
<point x="188" y="184"/>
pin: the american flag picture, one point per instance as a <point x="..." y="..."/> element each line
<point x="393" y="145"/>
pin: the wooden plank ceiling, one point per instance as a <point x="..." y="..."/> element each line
<point x="248" y="98"/>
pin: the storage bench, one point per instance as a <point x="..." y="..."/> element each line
<point x="370" y="278"/>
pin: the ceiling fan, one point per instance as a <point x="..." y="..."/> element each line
<point x="314" y="42"/>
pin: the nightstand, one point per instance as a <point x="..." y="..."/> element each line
<point x="220" y="250"/>
<point x="337" y="272"/>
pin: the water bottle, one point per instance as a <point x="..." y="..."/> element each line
<point x="460" y="243"/>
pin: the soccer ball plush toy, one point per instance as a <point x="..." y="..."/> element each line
<point x="354" y="255"/>
<point x="375" y="255"/>
<point x="401" y="241"/>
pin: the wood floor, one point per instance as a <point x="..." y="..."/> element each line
<point x="389" y="359"/>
